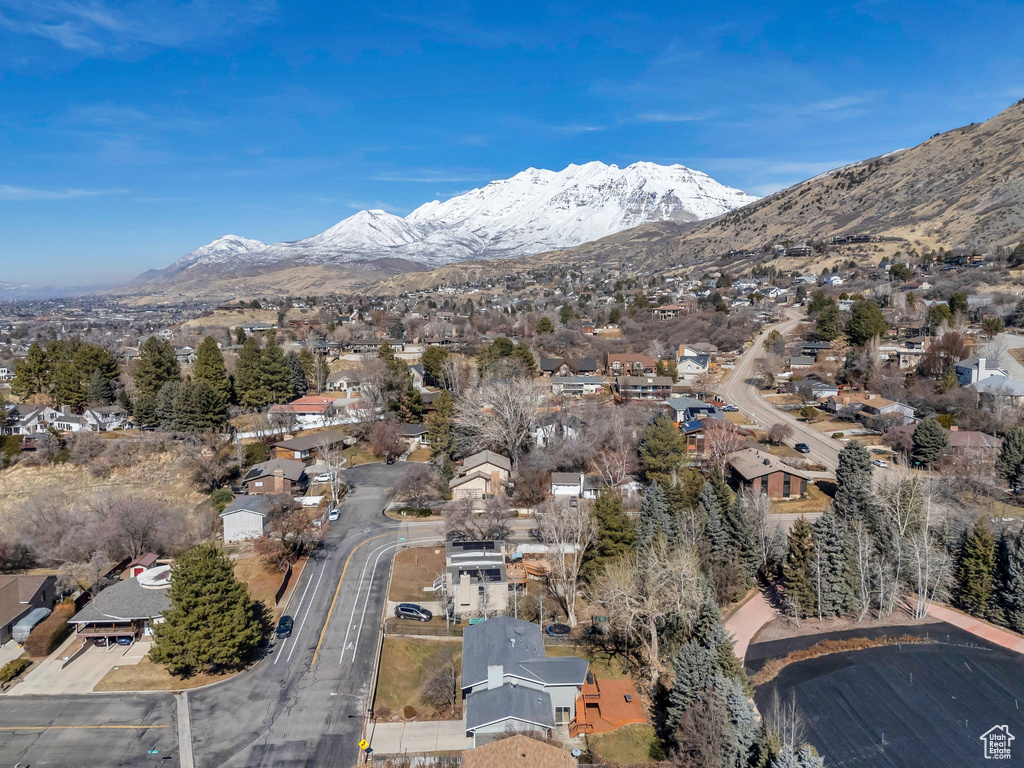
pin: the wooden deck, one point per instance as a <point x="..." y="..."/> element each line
<point x="604" y="706"/>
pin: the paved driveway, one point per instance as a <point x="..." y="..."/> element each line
<point x="81" y="675"/>
<point x="436" y="736"/>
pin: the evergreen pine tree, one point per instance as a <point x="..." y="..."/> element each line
<point x="802" y="757"/>
<point x="721" y="489"/>
<point x="1012" y="593"/>
<point x="796" y="570"/>
<point x="186" y="416"/>
<point x="209" y="367"/>
<point x="662" y="449"/>
<point x="144" y="410"/>
<point x="976" y="569"/>
<point x="166" y="399"/>
<point x="866" y="322"/>
<point x="615" y="535"/>
<point x="854" y="498"/>
<point x="321" y="372"/>
<point x="440" y="431"/>
<point x="101" y="392"/>
<point x="207" y="407"/>
<point x="929" y="442"/>
<point x="694" y="667"/>
<point x="156" y="366"/>
<point x="240" y="335"/>
<point x="275" y="377"/>
<point x="212" y="621"/>
<point x="67" y="386"/>
<point x="654" y="519"/>
<point x="299" y="385"/>
<point x="1011" y="455"/>
<point x="743" y="733"/>
<point x="741" y="537"/>
<point x="32" y="374"/>
<point x="830" y="566"/>
<point x="247" y="375"/>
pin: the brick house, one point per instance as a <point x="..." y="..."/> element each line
<point x="277" y="476"/>
<point x="764" y="473"/>
<point x="631" y="364"/>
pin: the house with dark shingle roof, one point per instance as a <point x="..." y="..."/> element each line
<point x="510" y="685"/>
<point x="20" y="594"/>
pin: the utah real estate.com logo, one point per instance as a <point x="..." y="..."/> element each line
<point x="997" y="742"/>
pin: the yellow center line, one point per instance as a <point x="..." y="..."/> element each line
<point x="74" y="727"/>
<point x="337" y="590"/>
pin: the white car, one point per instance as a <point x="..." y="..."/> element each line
<point x="880" y="463"/>
<point x="334" y="514"/>
<point x="324" y="477"/>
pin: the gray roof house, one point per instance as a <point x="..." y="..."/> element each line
<point x="247" y="517"/>
<point x="510" y="685"/>
<point x="128" y="608"/>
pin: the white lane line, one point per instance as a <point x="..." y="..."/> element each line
<point x="369" y="589"/>
<point x="308" y="606"/>
<point x="280" y="651"/>
<point x="362" y="576"/>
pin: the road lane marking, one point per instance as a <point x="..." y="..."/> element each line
<point x="369" y="589"/>
<point x="337" y="590"/>
<point x="310" y="605"/>
<point x="76" y="727"/>
<point x="280" y="651"/>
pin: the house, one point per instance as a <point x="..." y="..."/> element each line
<point x="689" y="408"/>
<point x="139" y="564"/>
<point x="104" y="418"/>
<point x="510" y="685"/>
<point x="555" y="426"/>
<point x="669" y="311"/>
<point x="971" y="370"/>
<point x="418" y="374"/>
<point x="23" y="419"/>
<point x="20" y="594"/>
<point x="643" y="387"/>
<point x="275" y="477"/>
<point x="247" y="517"/>
<point x="832" y="280"/>
<point x="801" y="362"/>
<point x="128" y="608"/>
<point x="309" y="411"/>
<point x="815" y="348"/>
<point x="343" y="381"/>
<point x="573" y="484"/>
<point x="518" y="751"/>
<point x="185" y="355"/>
<point x="482" y="474"/>
<point x="557" y="366"/>
<point x="764" y="473"/>
<point x="689" y="367"/>
<point x="309" y="448"/>
<point x="576" y="386"/>
<point x="370" y="347"/>
<point x="475" y="577"/>
<point x="996" y="389"/>
<point x="6" y="374"/>
<point x="414" y="435"/>
<point x="631" y="364"/>
<point x="963" y="443"/>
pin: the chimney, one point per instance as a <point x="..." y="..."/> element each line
<point x="495" y="674"/>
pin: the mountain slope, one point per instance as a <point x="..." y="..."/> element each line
<point x="534" y="211"/>
<point x="962" y="189"/>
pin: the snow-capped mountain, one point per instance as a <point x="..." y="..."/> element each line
<point x="534" y="211"/>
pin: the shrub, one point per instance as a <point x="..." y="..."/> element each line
<point x="409" y="711"/>
<point x="50" y="632"/>
<point x="838" y="436"/>
<point x="12" y="669"/>
<point x="256" y="453"/>
<point x="414" y="511"/>
<point x="221" y="498"/>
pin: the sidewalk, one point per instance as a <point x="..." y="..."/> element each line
<point x="51" y="678"/>
<point x="996" y="635"/>
<point x="436" y="736"/>
<point x="746" y="622"/>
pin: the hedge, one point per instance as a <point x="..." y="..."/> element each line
<point x="50" y="633"/>
<point x="12" y="669"/>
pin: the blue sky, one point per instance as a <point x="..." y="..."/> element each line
<point x="130" y="133"/>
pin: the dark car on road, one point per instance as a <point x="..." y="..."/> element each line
<point x="803" y="447"/>
<point x="284" y="627"/>
<point x="413" y="611"/>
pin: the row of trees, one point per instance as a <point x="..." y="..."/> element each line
<point x="67" y="372"/>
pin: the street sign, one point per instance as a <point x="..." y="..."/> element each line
<point x="363" y="744"/>
<point x="153" y="752"/>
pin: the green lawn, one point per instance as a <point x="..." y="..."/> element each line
<point x="628" y="745"/>
<point x="405" y="665"/>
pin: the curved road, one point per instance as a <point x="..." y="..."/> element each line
<point x="740" y="390"/>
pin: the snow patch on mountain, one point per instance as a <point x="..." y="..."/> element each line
<point x="535" y="210"/>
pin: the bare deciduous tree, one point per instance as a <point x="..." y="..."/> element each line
<point x="780" y="433"/>
<point x="769" y="536"/>
<point x="721" y="440"/>
<point x="501" y="415"/>
<point x="417" y="485"/>
<point x="569" y="530"/>
<point x="478" y="520"/>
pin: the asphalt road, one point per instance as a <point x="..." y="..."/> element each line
<point x="302" y="705"/>
<point x="740" y="390"/>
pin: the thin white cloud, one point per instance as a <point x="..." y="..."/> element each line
<point x="671" y="117"/>
<point x="839" y="103"/>
<point x="27" y="194"/>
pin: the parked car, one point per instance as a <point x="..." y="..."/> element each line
<point x="803" y="447"/>
<point x="558" y="630"/>
<point x="413" y="611"/>
<point x="324" y="477"/>
<point x="124" y="640"/>
<point x="334" y="514"/>
<point x="730" y="408"/>
<point x="880" y="463"/>
<point x="284" y="627"/>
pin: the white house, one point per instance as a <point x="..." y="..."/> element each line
<point x="832" y="280"/>
<point x="6" y="374"/>
<point x="247" y="517"/>
<point x="343" y="381"/>
<point x="25" y="419"/>
<point x="971" y="370"/>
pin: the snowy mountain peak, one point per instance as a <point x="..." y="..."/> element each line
<point x="536" y="210"/>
